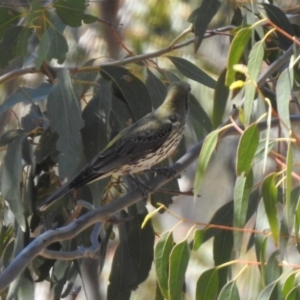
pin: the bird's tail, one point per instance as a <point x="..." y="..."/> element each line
<point x="75" y="182"/>
<point x="63" y="190"/>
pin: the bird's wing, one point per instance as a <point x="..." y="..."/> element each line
<point x="134" y="144"/>
<point x="132" y="147"/>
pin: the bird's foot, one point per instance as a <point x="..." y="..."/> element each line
<point x="146" y="190"/>
<point x="167" y="171"/>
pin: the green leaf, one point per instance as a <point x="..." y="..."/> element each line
<point x="26" y="95"/>
<point x="279" y="18"/>
<point x="196" y="111"/>
<point x="222" y="251"/>
<point x="8" y="16"/>
<point x="71" y="11"/>
<point x="19" y="244"/>
<point x="207" y="285"/>
<point x="70" y="280"/>
<point x="293" y="294"/>
<point x="246" y="149"/>
<point x="42" y="52"/>
<point x="63" y="108"/>
<point x="94" y="132"/>
<point x="260" y="240"/>
<point x="158" y="293"/>
<point x="84" y="80"/>
<point x="269" y="193"/>
<point x="241" y="195"/>
<point x="161" y="258"/>
<point x="192" y="71"/>
<point x="220" y="100"/>
<point x="22" y="42"/>
<point x="89" y="19"/>
<point x="201" y="17"/>
<point x="254" y="66"/>
<point x="133" y="257"/>
<point x="58" y="46"/>
<point x="130" y="88"/>
<point x="157" y="90"/>
<point x="269" y="292"/>
<point x="8" y="45"/>
<point x="11" y="178"/>
<point x="207" y="150"/>
<point x="223" y="216"/>
<point x="53" y="45"/>
<point x="26" y="288"/>
<point x="273" y="269"/>
<point x="179" y="259"/>
<point x="283" y="93"/>
<point x="229" y="291"/>
<point x="198" y="239"/>
<point x="288" y="284"/>
<point x="141" y="244"/>
<point x="59" y="277"/>
<point x="289" y="171"/>
<point x="235" y="52"/>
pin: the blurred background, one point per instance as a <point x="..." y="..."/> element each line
<point x="146" y="26"/>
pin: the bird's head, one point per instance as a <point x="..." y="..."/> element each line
<point x="177" y="97"/>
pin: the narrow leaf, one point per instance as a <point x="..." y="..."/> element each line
<point x="179" y="259"/>
<point x="11" y="177"/>
<point x="207" y="150"/>
<point x="26" y="95"/>
<point x="8" y="16"/>
<point x="270" y="292"/>
<point x="273" y="268"/>
<point x="229" y="291"/>
<point x="269" y="193"/>
<point x="157" y="90"/>
<point x="198" y="239"/>
<point x="161" y="258"/>
<point x="220" y="100"/>
<point x="201" y="17"/>
<point x="207" y="285"/>
<point x="71" y="11"/>
<point x="8" y="45"/>
<point x="289" y="170"/>
<point x="235" y="52"/>
<point x="132" y="90"/>
<point x="254" y="65"/>
<point x="283" y="93"/>
<point x="279" y="18"/>
<point x="63" y="108"/>
<point x="288" y="284"/>
<point x="246" y="149"/>
<point x="192" y="71"/>
<point x="242" y="192"/>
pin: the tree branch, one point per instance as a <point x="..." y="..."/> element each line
<point x="80" y="252"/>
<point x="31" y="70"/>
<point x="104" y="213"/>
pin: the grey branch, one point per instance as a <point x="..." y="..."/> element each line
<point x="104" y="213"/>
<point x="80" y="252"/>
<point x="31" y="70"/>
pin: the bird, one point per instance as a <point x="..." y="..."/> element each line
<point x="138" y="147"/>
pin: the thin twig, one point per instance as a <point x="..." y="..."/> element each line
<point x="32" y="70"/>
<point x="104" y="213"/>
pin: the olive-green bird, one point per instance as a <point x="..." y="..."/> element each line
<point x="137" y="147"/>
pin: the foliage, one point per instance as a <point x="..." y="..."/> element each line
<point x="88" y="103"/>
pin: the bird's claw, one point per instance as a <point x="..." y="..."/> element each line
<point x="168" y="171"/>
<point x="146" y="190"/>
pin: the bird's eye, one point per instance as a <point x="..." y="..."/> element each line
<point x="173" y="119"/>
